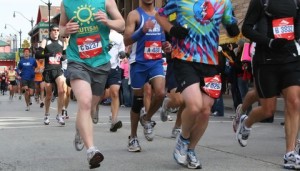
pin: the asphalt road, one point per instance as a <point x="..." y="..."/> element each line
<point x="26" y="144"/>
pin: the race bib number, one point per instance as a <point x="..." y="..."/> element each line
<point x="284" y="28"/>
<point x="153" y="50"/>
<point x="212" y="86"/>
<point x="89" y="46"/>
<point x="55" y="60"/>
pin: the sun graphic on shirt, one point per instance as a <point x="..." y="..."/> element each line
<point x="84" y="14"/>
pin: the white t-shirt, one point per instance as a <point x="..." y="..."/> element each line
<point x="117" y="42"/>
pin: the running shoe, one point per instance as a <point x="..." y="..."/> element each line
<point x="60" y="119"/>
<point x="192" y="161"/>
<point x="175" y="132"/>
<point x="94" y="158"/>
<point x="164" y="113"/>
<point x="42" y="104"/>
<point x="170" y="118"/>
<point x="236" y="118"/>
<point x="115" y="126"/>
<point x="148" y="128"/>
<point x="27" y="108"/>
<point x="46" y="120"/>
<point x="64" y="113"/>
<point x="78" y="141"/>
<point x="133" y="144"/>
<point x="180" y="152"/>
<point x="242" y="133"/>
<point x="20" y="97"/>
<point x="291" y="160"/>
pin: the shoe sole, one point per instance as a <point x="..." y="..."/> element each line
<point x="117" y="126"/>
<point x="96" y="160"/>
<point x="191" y="167"/>
<point x="136" y="150"/>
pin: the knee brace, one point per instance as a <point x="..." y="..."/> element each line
<point x="138" y="103"/>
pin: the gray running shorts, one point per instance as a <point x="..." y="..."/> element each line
<point x="95" y="76"/>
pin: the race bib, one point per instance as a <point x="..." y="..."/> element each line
<point x="153" y="50"/>
<point x="89" y="46"/>
<point x="212" y="86"/>
<point x="284" y="28"/>
<point x="55" y="60"/>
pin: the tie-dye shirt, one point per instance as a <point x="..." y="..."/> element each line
<point x="202" y="18"/>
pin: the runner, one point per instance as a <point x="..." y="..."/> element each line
<point x="26" y="66"/>
<point x="51" y="50"/>
<point x="39" y="83"/>
<point x="276" y="64"/>
<point x="88" y="60"/>
<point x="195" y="47"/>
<point x="12" y="87"/>
<point x="146" y="65"/>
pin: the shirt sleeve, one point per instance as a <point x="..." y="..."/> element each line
<point x="228" y="15"/>
<point x="169" y="8"/>
<point x="252" y="18"/>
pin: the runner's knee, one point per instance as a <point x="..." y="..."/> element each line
<point x="138" y="103"/>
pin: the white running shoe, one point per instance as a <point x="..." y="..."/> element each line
<point x="133" y="144"/>
<point x="46" y="120"/>
<point x="60" y="119"/>
<point x="236" y="118"/>
<point x="192" y="161"/>
<point x="291" y="160"/>
<point x="175" y="132"/>
<point x="242" y="133"/>
<point x="94" y="157"/>
<point x="180" y="151"/>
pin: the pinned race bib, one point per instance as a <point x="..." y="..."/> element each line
<point x="212" y="86"/>
<point x="284" y="28"/>
<point x="89" y="46"/>
<point x="55" y="60"/>
<point x="153" y="50"/>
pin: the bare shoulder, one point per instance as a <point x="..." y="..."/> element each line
<point x="133" y="16"/>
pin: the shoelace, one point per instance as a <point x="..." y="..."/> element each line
<point x="192" y="156"/>
<point x="182" y="147"/>
<point x="134" y="142"/>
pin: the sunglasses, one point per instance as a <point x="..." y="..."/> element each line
<point x="65" y="37"/>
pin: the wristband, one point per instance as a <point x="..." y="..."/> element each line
<point x="137" y="34"/>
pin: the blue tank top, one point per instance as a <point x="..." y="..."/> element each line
<point x="148" y="49"/>
<point x="90" y="44"/>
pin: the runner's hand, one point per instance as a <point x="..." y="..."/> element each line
<point x="101" y="16"/>
<point x="72" y="27"/>
<point x="149" y="24"/>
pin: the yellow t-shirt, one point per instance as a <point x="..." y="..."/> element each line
<point x="11" y="75"/>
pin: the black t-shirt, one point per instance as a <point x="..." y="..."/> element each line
<point x="258" y="28"/>
<point x="55" y="48"/>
